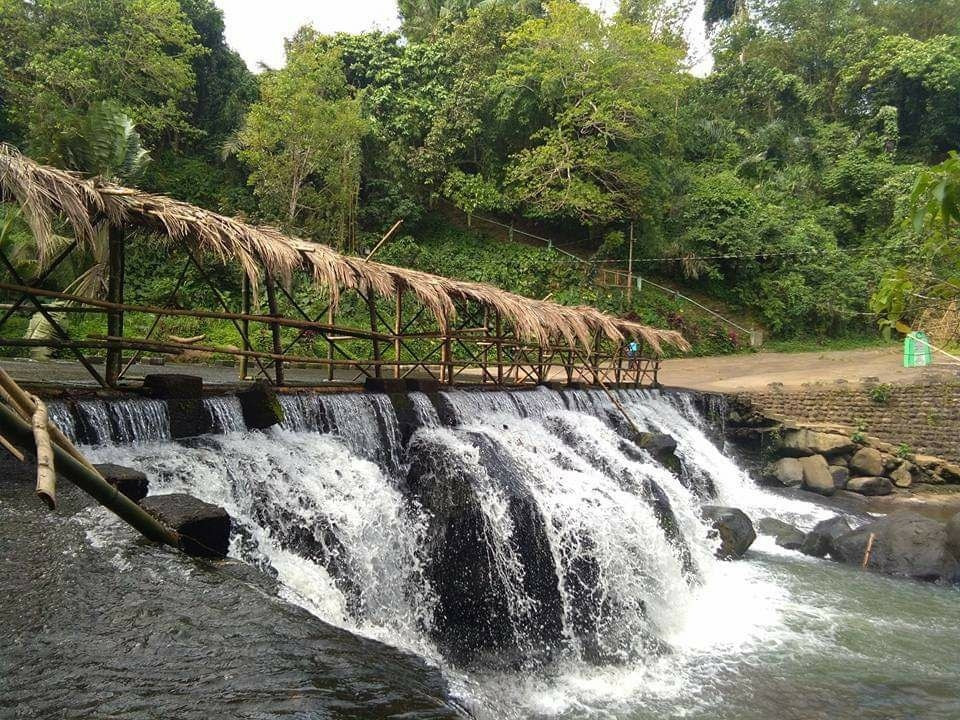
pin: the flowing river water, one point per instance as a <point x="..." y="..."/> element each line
<point x="494" y="554"/>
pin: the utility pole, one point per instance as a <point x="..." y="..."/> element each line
<point x="630" y="269"/>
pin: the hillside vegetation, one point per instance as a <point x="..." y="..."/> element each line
<point x="777" y="185"/>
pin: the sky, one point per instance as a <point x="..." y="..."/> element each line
<point x="257" y="28"/>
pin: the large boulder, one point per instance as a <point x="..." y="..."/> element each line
<point x="786" y="471"/>
<point x="867" y="461"/>
<point x="870" y="485"/>
<point x="841" y="475"/>
<point x="261" y="408"/>
<point x="785" y="534"/>
<point x="819" y="541"/>
<point x="797" y="442"/>
<point x="902" y="475"/>
<point x="204" y="528"/>
<point x="816" y="475"/>
<point x="734" y="529"/>
<point x="905" y="544"/>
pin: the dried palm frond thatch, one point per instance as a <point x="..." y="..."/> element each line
<point x="45" y="193"/>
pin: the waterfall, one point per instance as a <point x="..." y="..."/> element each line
<point x="225" y="414"/>
<point x="139" y="420"/>
<point x="505" y="532"/>
<point x="61" y="415"/>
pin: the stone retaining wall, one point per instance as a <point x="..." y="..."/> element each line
<point x="925" y="417"/>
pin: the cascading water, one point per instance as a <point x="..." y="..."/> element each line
<point x="522" y="541"/>
<point x="225" y="413"/>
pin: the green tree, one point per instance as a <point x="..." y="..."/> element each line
<point x="301" y="141"/>
<point x="599" y="98"/>
<point x="70" y="54"/>
<point x="930" y="282"/>
<point x="421" y="17"/>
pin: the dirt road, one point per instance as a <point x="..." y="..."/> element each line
<point x="733" y="373"/>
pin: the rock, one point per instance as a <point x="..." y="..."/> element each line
<point x="903" y="475"/>
<point x="819" y="541"/>
<point x="662" y="447"/>
<point x="816" y="475"/>
<point x="950" y="473"/>
<point x="801" y="441"/>
<point x="867" y="461"/>
<point x="870" y="485"/>
<point x="173" y="386"/>
<point x="905" y="544"/>
<point x="840" y="476"/>
<point x="785" y="471"/>
<point x="260" y="406"/>
<point x="734" y="528"/>
<point x="188" y="418"/>
<point x="840" y="461"/>
<point x="953" y="535"/>
<point x="129" y="481"/>
<point x="386" y="385"/>
<point x="890" y="463"/>
<point x="786" y="535"/>
<point x="204" y="528"/>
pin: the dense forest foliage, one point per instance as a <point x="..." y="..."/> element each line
<point x="779" y="183"/>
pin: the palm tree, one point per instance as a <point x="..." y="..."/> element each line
<point x="105" y="144"/>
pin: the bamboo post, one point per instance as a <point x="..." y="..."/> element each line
<point x="90" y="481"/>
<point x="499" y="332"/>
<point x="46" y="472"/>
<point x="330" y="319"/>
<point x="630" y="271"/>
<point x="245" y="324"/>
<point x="446" y="364"/>
<point x="274" y="327"/>
<point x="484" y="371"/>
<point x="397" y="329"/>
<point x="595" y="359"/>
<point x="372" y="309"/>
<point x="115" y="295"/>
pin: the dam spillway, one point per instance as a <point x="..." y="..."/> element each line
<point x="522" y="542"/>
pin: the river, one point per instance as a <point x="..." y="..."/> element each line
<point x="589" y="588"/>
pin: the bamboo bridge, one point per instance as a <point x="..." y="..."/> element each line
<point x="413" y="324"/>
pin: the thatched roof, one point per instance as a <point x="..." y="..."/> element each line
<point x="45" y="193"/>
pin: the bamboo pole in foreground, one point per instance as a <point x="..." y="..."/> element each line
<point x="91" y="482"/>
<point x="46" y="471"/>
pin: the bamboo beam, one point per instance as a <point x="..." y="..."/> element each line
<point x="244" y="335"/>
<point x="20" y="287"/>
<point x="65" y="253"/>
<point x="90" y="481"/>
<point x="156" y="319"/>
<point x="180" y="312"/>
